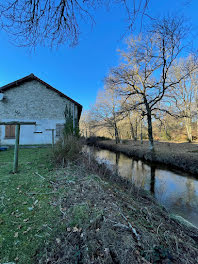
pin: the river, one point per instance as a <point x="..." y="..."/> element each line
<point x="177" y="191"/>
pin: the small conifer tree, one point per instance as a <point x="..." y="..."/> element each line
<point x="71" y="126"/>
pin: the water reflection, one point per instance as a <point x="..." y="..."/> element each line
<point x="177" y="191"/>
<point x="152" y="189"/>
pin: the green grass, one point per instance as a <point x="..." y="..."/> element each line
<point x="79" y="215"/>
<point x="26" y="211"/>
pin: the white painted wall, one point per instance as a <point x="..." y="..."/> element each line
<point x="27" y="135"/>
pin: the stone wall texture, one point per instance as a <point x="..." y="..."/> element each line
<point x="33" y="100"/>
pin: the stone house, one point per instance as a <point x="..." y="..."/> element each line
<point x="32" y="100"/>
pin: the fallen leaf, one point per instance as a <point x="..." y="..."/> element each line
<point x="35" y="202"/>
<point x="137" y="252"/>
<point x="29" y="228"/>
<point x="75" y="229"/>
<point x="58" y="240"/>
<point x="107" y="250"/>
<point x="16" y="234"/>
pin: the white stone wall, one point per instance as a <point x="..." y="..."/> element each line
<point x="34" y="102"/>
<point x="28" y="135"/>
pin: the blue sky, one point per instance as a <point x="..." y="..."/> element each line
<point x="79" y="72"/>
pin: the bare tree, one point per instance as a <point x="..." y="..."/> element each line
<point x="185" y="92"/>
<point x="145" y="74"/>
<point x="134" y="116"/>
<point x="105" y="112"/>
<point x="32" y="22"/>
<point x="196" y="96"/>
<point x="85" y="124"/>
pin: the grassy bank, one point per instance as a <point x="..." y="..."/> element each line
<point x="27" y="218"/>
<point x="183" y="156"/>
<point x="83" y="213"/>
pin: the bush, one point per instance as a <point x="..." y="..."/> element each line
<point x="67" y="149"/>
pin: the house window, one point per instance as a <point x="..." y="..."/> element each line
<point x="10" y="131"/>
<point x="59" y="129"/>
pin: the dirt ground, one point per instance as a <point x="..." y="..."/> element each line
<point x="182" y="156"/>
<point x="107" y="220"/>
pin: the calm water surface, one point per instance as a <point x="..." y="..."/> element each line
<point x="176" y="191"/>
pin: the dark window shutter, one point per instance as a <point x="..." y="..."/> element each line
<point x="10" y="131"/>
<point x="7" y="131"/>
<point x="12" y="134"/>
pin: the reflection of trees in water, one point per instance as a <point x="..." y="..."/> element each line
<point x="125" y="166"/>
<point x="105" y="156"/>
<point x="191" y="196"/>
<point x="177" y="193"/>
<point x="139" y="175"/>
<point x="132" y="165"/>
<point x="143" y="174"/>
<point x="152" y="183"/>
<point x="185" y="197"/>
<point x="117" y="157"/>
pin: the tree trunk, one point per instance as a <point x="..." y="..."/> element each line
<point x="116" y="134"/>
<point x="149" y="121"/>
<point x="150" y="129"/>
<point x="188" y="128"/>
<point x="131" y="128"/>
<point x="132" y="131"/>
<point x="141" y="138"/>
<point x="136" y="127"/>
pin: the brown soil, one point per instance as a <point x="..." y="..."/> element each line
<point x="183" y="156"/>
<point x="107" y="220"/>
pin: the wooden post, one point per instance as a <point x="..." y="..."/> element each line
<point x="17" y="135"/>
<point x="16" y="149"/>
<point x="52" y="130"/>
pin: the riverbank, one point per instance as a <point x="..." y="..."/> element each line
<point x="83" y="213"/>
<point x="108" y="220"/>
<point x="183" y="156"/>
